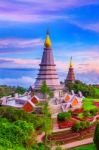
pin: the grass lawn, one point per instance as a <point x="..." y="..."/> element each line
<point x="88" y="99"/>
<point x="85" y="147"/>
<point x="16" y="148"/>
<point x="88" y="103"/>
<point x="97" y="91"/>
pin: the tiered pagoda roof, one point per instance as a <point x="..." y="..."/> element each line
<point x="47" y="71"/>
<point x="70" y="75"/>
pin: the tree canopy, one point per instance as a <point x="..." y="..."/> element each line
<point x="87" y="90"/>
<point x="45" y="90"/>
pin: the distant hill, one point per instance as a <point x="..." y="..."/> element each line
<point x="9" y="90"/>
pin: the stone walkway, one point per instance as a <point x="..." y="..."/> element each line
<point x="75" y="144"/>
<point x="40" y="137"/>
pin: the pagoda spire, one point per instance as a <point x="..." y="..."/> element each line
<point x="47" y="42"/>
<point x="71" y="65"/>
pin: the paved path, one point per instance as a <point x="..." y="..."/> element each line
<point x="60" y="130"/>
<point x="95" y="118"/>
<point x="40" y="137"/>
<point x="75" y="144"/>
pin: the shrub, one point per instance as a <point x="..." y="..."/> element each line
<point x="58" y="148"/>
<point x="80" y="125"/>
<point x="64" y="116"/>
<point x="84" y="124"/>
<point x="80" y="116"/>
<point x="76" y="126"/>
<point x="18" y="133"/>
<point x="86" y="113"/>
<point x="93" y="112"/>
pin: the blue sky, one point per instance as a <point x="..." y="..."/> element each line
<point x="74" y="31"/>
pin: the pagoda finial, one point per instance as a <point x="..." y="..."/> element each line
<point x="71" y="65"/>
<point x="47" y="43"/>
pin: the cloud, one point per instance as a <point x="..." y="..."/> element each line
<point x="18" y="45"/>
<point x="87" y="26"/>
<point x="93" y="27"/>
<point x="26" y="81"/>
<point x="19" y="63"/>
<point x="84" y="62"/>
<point x="3" y="61"/>
<point x="20" y="42"/>
<point x="38" y="11"/>
<point x="78" y="50"/>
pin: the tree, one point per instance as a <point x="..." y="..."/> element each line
<point x="19" y="133"/>
<point x="87" y="90"/>
<point x="20" y="90"/>
<point x="47" y="122"/>
<point x="96" y="136"/>
<point x="45" y="90"/>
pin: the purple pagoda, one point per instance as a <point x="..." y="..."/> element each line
<point x="47" y="71"/>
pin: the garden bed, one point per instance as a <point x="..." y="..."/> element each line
<point x="77" y="111"/>
<point x="70" y="136"/>
<point x="90" y="119"/>
<point x="96" y="104"/>
<point x="66" y="124"/>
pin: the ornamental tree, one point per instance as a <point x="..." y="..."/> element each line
<point x="96" y="137"/>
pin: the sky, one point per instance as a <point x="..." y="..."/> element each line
<point x="74" y="31"/>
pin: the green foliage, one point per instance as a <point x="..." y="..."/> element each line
<point x="14" y="114"/>
<point x="93" y="112"/>
<point x="20" y="90"/>
<point x="8" y="90"/>
<point x="96" y="136"/>
<point x="64" y="116"/>
<point x="21" y="126"/>
<point x="47" y="123"/>
<point x="87" y="90"/>
<point x="40" y="146"/>
<point x="80" y="116"/>
<point x="17" y="133"/>
<point x="45" y="90"/>
<point x="80" y="125"/>
<point x="76" y="126"/>
<point x="58" y="148"/>
<point x="88" y="105"/>
<point x="84" y="124"/>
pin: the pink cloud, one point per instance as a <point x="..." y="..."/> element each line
<point x="90" y="26"/>
<point x="23" y="43"/>
<point x="37" y="11"/>
<point x="19" y="63"/>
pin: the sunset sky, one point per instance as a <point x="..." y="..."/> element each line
<point x="74" y="31"/>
